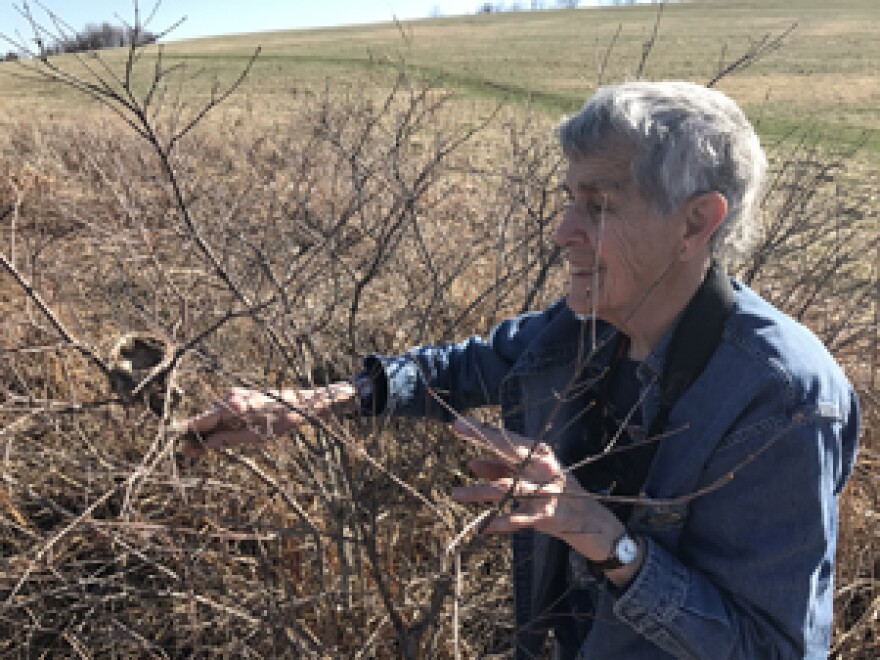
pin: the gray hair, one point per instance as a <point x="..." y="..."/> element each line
<point x="687" y="139"/>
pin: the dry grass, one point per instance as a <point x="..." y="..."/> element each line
<point x="334" y="209"/>
<point x="254" y="561"/>
<point x="211" y="558"/>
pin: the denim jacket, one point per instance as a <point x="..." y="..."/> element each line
<point x="740" y="508"/>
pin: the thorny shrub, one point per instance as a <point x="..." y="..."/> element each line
<point x="366" y="222"/>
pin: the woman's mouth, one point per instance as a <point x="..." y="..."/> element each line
<point x="583" y="272"/>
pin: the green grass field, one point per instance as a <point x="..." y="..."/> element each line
<point x="823" y="81"/>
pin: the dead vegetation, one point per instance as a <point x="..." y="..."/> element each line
<point x="369" y="221"/>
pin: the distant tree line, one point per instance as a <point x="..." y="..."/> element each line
<point x="92" y="37"/>
<point x="96" y="37"/>
<point x="534" y="5"/>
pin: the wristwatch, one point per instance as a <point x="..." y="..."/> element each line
<point x="363" y="385"/>
<point x="624" y="551"/>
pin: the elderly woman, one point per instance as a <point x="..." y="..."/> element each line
<point x="674" y="446"/>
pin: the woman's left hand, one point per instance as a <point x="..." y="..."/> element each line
<point x="548" y="498"/>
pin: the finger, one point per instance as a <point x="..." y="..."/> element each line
<point x="239" y="399"/>
<point x="208" y="420"/>
<point x="193" y="446"/>
<point x="508" y="446"/>
<point x="197" y="445"/>
<point x="236" y="404"/>
<point x="486" y="469"/>
<point x="223" y="439"/>
<point x="513" y="449"/>
<point x="513" y="522"/>
<point x="493" y="492"/>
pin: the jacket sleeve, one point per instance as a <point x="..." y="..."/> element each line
<point x="755" y="577"/>
<point x="428" y="381"/>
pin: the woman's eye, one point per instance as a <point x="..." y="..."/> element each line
<point x="596" y="209"/>
<point x="589" y="206"/>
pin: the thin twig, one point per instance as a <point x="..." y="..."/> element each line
<point x="53" y="318"/>
<point x="754" y="53"/>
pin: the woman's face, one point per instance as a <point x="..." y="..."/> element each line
<point x="617" y="248"/>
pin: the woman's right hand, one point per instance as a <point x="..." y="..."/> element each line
<point x="246" y="416"/>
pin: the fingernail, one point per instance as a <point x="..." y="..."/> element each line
<point x="459" y="493"/>
<point x="178" y="426"/>
<point x="465" y="426"/>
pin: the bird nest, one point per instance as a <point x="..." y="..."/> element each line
<point x="139" y="368"/>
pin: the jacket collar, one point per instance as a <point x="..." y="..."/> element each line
<point x="652" y="366"/>
<point x="564" y="341"/>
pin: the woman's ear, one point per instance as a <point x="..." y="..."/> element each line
<point x="703" y="214"/>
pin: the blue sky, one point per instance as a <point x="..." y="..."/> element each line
<point x="211" y="17"/>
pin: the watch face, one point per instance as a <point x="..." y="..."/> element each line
<point x="627" y="549"/>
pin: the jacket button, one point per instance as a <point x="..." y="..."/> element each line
<point x="632" y="611"/>
<point x="665" y="518"/>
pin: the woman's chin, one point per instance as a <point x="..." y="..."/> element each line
<point x="584" y="306"/>
<point x="579" y="304"/>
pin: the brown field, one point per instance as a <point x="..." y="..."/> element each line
<point x="360" y="192"/>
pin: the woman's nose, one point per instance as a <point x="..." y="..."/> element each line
<point x="568" y="230"/>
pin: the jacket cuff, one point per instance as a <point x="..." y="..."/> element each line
<point x="397" y="384"/>
<point x="656" y="594"/>
<point x="377" y="400"/>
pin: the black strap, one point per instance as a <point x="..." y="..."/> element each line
<point x="694" y="341"/>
